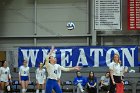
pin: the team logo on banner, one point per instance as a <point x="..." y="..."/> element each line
<point x="79" y="56"/>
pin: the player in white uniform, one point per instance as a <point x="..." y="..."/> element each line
<point x="58" y="78"/>
<point x="52" y="69"/>
<point x="24" y="76"/>
<point x="115" y="73"/>
<point x="5" y="76"/>
<point x="40" y="78"/>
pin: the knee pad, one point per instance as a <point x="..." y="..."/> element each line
<point x="23" y="90"/>
<point x="8" y="88"/>
<point x="43" y="91"/>
<point x="37" y="91"/>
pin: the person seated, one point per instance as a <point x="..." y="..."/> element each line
<point x="80" y="82"/>
<point x="91" y="83"/>
<point x="104" y="83"/>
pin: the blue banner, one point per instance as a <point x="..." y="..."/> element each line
<point x="85" y="56"/>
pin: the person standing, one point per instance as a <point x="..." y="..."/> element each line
<point x="52" y="70"/>
<point x="5" y="76"/>
<point x="24" y="76"/>
<point x="40" y="78"/>
<point x="115" y="73"/>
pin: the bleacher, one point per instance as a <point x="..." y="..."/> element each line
<point x="132" y="84"/>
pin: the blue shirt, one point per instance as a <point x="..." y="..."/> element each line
<point x="92" y="82"/>
<point x="80" y="79"/>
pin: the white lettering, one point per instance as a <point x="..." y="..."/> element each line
<point x="82" y="58"/>
<point x="65" y="57"/>
<point x="30" y="54"/>
<point x="96" y="52"/>
<point x="45" y="53"/>
<point x="126" y="54"/>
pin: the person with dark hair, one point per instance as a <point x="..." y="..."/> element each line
<point x="104" y="82"/>
<point x="24" y="76"/>
<point x="40" y="78"/>
<point x="52" y="69"/>
<point x="5" y="76"/>
<point x="115" y="73"/>
<point x="91" y="83"/>
<point x="80" y="82"/>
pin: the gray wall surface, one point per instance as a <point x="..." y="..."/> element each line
<point x="43" y="22"/>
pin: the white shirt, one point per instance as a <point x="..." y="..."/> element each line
<point x="4" y="74"/>
<point x="54" y="69"/>
<point x="24" y="71"/>
<point x="105" y="80"/>
<point x="40" y="74"/>
<point x="116" y="68"/>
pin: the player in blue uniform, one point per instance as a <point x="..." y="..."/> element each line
<point x="52" y="69"/>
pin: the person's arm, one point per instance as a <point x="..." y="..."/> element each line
<point x="75" y="81"/>
<point x="102" y="81"/>
<point x="84" y="81"/>
<point x="0" y="72"/>
<point x="95" y="82"/>
<point x="47" y="58"/>
<point x="87" y="81"/>
<point x="29" y="75"/>
<point x="36" y="74"/>
<point x="94" y="85"/>
<point x="44" y="75"/>
<point x="111" y="67"/>
<point x="88" y="84"/>
<point x="19" y="75"/>
<point x="9" y="75"/>
<point x="69" y="69"/>
<point x="111" y="75"/>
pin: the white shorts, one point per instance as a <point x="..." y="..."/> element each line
<point x="40" y="81"/>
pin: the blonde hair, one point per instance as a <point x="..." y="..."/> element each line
<point x="118" y="58"/>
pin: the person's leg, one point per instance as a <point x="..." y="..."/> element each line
<point x="80" y="87"/>
<point x="43" y="88"/>
<point x="91" y="90"/>
<point x="57" y="88"/>
<point x="78" y="90"/>
<point x="8" y="86"/>
<point x="88" y="89"/>
<point x="23" y="86"/>
<point x="37" y="87"/>
<point x="26" y="84"/>
<point x="112" y="87"/>
<point x="94" y="90"/>
<point x="49" y="86"/>
<point x="2" y="87"/>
